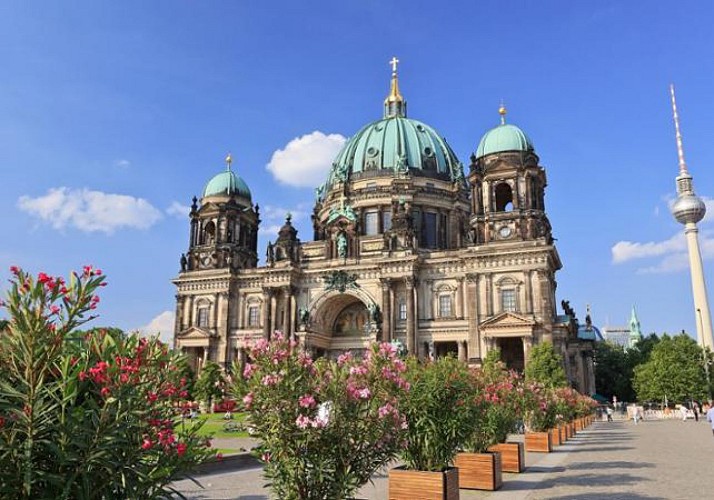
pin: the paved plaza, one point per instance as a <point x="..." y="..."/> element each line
<point x="664" y="459"/>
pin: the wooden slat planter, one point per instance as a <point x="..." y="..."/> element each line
<point x="414" y="484"/>
<point x="479" y="471"/>
<point x="555" y="437"/>
<point x="513" y="457"/>
<point x="562" y="433"/>
<point x="538" y="442"/>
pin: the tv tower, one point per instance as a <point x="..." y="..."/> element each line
<point x="688" y="210"/>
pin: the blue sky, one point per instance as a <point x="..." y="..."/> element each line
<point x="114" y="114"/>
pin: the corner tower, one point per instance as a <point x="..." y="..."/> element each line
<point x="688" y="210"/>
<point x="507" y="188"/>
<point x="223" y="241"/>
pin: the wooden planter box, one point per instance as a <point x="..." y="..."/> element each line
<point x="513" y="457"/>
<point x="415" y="484"/>
<point x="562" y="433"/>
<point x="538" y="442"/>
<point x="555" y="437"/>
<point x="573" y="430"/>
<point x="479" y="471"/>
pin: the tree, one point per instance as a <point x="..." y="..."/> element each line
<point x="675" y="371"/>
<point x="639" y="354"/>
<point x="545" y="366"/>
<point x="209" y="385"/>
<point x="613" y="371"/>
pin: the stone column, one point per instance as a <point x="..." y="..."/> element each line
<point x="458" y="311"/>
<point x="529" y="293"/>
<point x="178" y="319"/>
<point x="462" y="350"/>
<point x="267" y="294"/>
<point x="472" y="313"/>
<point x="489" y="295"/>
<point x="283" y="321"/>
<point x="527" y="344"/>
<point x="411" y="341"/>
<point x="292" y="311"/>
<point x="386" y="310"/>
<point x="273" y="312"/>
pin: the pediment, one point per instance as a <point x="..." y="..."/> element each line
<point x="508" y="321"/>
<point x="194" y="333"/>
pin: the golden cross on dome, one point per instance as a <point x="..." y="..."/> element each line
<point x="394" y="63"/>
<point x="229" y="160"/>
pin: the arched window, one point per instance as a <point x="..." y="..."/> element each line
<point x="209" y="233"/>
<point x="504" y="197"/>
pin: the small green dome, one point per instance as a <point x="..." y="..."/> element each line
<point x="393" y="144"/>
<point x="505" y="137"/>
<point x="227" y="183"/>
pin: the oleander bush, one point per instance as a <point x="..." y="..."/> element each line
<point x="90" y="414"/>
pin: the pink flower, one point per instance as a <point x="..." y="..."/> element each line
<point x="271" y="379"/>
<point x="358" y="370"/>
<point x="265" y="457"/>
<point x="306" y="401"/>
<point x="248" y="370"/>
<point x="248" y="399"/>
<point x="302" y="421"/>
<point x="54" y="310"/>
<point x="364" y="393"/>
<point x="15" y="270"/>
<point x="344" y="358"/>
<point x="146" y="444"/>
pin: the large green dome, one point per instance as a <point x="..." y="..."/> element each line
<point x="227" y="183"/>
<point x="505" y="137"/>
<point x="396" y="144"/>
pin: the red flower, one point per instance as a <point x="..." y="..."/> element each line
<point x="105" y="391"/>
<point x="181" y="449"/>
<point x="146" y="444"/>
<point x="14" y="270"/>
<point x="219" y="456"/>
<point x="152" y="397"/>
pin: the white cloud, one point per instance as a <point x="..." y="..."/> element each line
<point x="90" y="211"/>
<point x="122" y="163"/>
<point x="672" y="252"/>
<point x="305" y="161"/>
<point x="178" y="210"/>
<point x="622" y="251"/>
<point x="163" y="325"/>
<point x="271" y="231"/>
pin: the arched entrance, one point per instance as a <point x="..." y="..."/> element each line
<point x="512" y="352"/>
<point x="342" y="322"/>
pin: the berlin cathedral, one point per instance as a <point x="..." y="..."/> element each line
<point x="407" y="247"/>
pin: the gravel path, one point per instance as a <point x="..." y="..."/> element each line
<point x="617" y="460"/>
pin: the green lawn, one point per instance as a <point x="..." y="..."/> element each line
<point x="214" y="423"/>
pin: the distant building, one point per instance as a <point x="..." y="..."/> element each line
<point x="625" y="336"/>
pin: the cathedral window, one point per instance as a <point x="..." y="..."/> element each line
<point x="202" y="317"/>
<point x="508" y="300"/>
<point x="402" y="310"/>
<point x="371" y="223"/>
<point x="209" y="233"/>
<point x="430" y="234"/>
<point x="445" y="306"/>
<point x="504" y="197"/>
<point x="253" y="316"/>
<point x="386" y="220"/>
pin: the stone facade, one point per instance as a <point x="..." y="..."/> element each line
<point x="405" y="254"/>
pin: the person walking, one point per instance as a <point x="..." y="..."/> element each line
<point x="636" y="414"/>
<point x="695" y="409"/>
<point x="710" y="415"/>
<point x="609" y="414"/>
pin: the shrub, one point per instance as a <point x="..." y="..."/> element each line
<point x="90" y="415"/>
<point x="440" y="412"/>
<point x="325" y="426"/>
